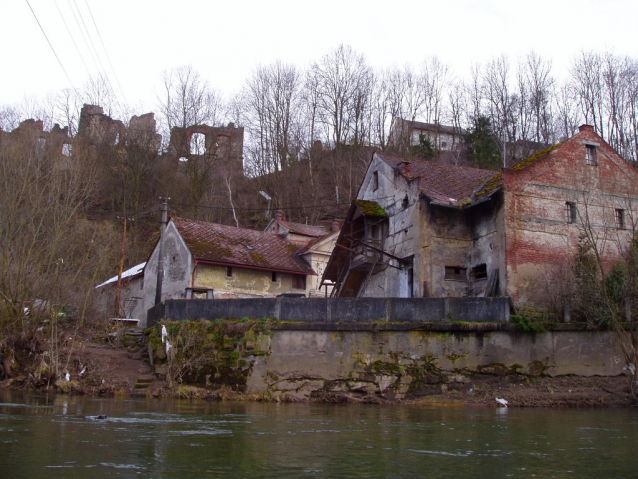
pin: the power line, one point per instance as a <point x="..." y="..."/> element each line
<point x="73" y="39"/>
<point x="52" y="49"/>
<point x="108" y="57"/>
<point x="291" y="208"/>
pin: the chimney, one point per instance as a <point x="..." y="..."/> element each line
<point x="336" y="226"/>
<point x="279" y="216"/>
<point x="406" y="168"/>
<point x="582" y="128"/>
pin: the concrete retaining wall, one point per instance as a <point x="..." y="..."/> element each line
<point x="338" y="310"/>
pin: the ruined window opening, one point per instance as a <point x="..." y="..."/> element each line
<point x="455" y="273"/>
<point x="66" y="149"/>
<point x="570" y="213"/>
<point x="229" y="271"/>
<point x="443" y="144"/>
<point x="620" y="219"/>
<point x="410" y="282"/>
<point x="405" y="202"/>
<point x="198" y="144"/>
<point x="273" y="277"/>
<point x="298" y="281"/>
<point x="479" y="272"/>
<point x="591" y="155"/>
<point x="375" y="181"/>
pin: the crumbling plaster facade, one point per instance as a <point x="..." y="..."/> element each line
<point x="516" y="234"/>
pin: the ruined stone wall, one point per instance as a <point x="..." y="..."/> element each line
<point x="224" y="143"/>
<point x="540" y="241"/>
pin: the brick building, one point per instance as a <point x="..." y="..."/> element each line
<point x="423" y="229"/>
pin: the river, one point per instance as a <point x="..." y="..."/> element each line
<point x="54" y="437"/>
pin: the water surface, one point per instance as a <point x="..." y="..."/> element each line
<point x="53" y="437"/>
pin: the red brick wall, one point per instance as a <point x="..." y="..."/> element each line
<point x="540" y="244"/>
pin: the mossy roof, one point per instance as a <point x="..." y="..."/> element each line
<point x="217" y="243"/>
<point x="371" y="208"/>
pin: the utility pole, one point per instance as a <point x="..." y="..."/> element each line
<point x="160" y="260"/>
<point x="118" y="289"/>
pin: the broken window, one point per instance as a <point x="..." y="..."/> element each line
<point x="66" y="149"/>
<point x="298" y="281"/>
<point x="455" y="273"/>
<point x="570" y="212"/>
<point x="198" y="144"/>
<point x="620" y="219"/>
<point x="479" y="272"/>
<point x="591" y="155"/>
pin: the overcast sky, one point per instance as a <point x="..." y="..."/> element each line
<point x="225" y="40"/>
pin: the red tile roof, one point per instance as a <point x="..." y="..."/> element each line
<point x="240" y="246"/>
<point x="448" y="185"/>
<point x="305" y="230"/>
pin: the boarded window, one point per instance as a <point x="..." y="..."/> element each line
<point x="298" y="281"/>
<point x="591" y="155"/>
<point x="455" y="273"/>
<point x="620" y="219"/>
<point x="570" y="212"/>
<point x="479" y="272"/>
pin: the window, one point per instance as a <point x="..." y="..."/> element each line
<point x="570" y="212"/>
<point x="273" y="277"/>
<point x="455" y="273"/>
<point x="620" y="219"/>
<point x="443" y="145"/>
<point x="298" y="281"/>
<point x="479" y="272"/>
<point x="198" y="144"/>
<point x="66" y="149"/>
<point x="229" y="271"/>
<point x="591" y="155"/>
<point x="375" y="181"/>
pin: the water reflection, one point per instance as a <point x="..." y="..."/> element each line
<point x="52" y="436"/>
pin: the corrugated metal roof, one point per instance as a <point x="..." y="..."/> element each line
<point x="240" y="246"/>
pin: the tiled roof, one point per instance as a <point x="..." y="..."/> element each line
<point x="240" y="246"/>
<point x="448" y="185"/>
<point x="305" y="230"/>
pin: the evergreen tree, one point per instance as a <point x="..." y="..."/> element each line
<point x="424" y="149"/>
<point x="482" y="146"/>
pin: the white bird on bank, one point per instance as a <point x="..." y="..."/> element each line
<point x="501" y="401"/>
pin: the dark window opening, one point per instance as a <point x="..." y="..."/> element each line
<point x="405" y="202"/>
<point x="375" y="181"/>
<point x="620" y="219"/>
<point x="273" y="277"/>
<point x="455" y="273"/>
<point x="479" y="272"/>
<point x="591" y="155"/>
<point x="410" y="283"/>
<point x="229" y="271"/>
<point x="298" y="281"/>
<point x="570" y="212"/>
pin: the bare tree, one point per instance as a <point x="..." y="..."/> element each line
<point x="188" y="100"/>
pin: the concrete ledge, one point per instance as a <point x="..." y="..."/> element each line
<point x="338" y="310"/>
